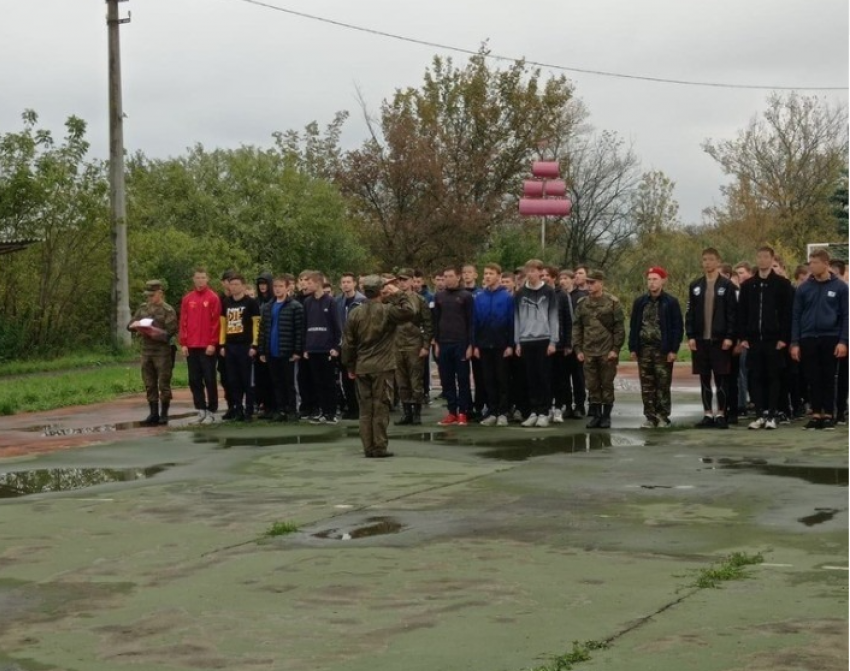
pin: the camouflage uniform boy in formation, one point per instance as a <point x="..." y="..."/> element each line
<point x="368" y="354"/>
<point x="412" y="344"/>
<point x="598" y="335"/>
<point x="655" y="333"/>
<point x="157" y="356"/>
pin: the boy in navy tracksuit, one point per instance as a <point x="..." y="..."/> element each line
<point x="280" y="345"/>
<point x="321" y="346"/>
<point x="492" y="335"/>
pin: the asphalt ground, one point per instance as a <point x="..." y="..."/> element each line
<point x="490" y="549"/>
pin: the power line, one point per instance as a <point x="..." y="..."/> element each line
<point x="552" y="66"/>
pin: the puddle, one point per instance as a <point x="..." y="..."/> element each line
<point x="14" y="484"/>
<point x="51" y="430"/>
<point x="526" y="447"/>
<point x="226" y="442"/>
<point x="820" y="516"/>
<point x="817" y="475"/>
<point x="376" y="526"/>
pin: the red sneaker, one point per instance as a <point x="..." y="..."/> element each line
<point x="461" y="419"/>
<point x="448" y="420"/>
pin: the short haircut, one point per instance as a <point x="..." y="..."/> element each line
<point x="227" y="275"/>
<point x="439" y="273"/>
<point x="553" y="271"/>
<point x="236" y="277"/>
<point x="344" y="275"/>
<point x="821" y="254"/>
<point x="495" y="267"/>
<point x="711" y="251"/>
<point x="315" y="276"/>
<point x="469" y="265"/>
<point x="534" y="263"/>
<point x="418" y="273"/>
<point x="801" y="270"/>
<point x="326" y="285"/>
<point x="567" y="273"/>
<point x="199" y="269"/>
<point x="779" y="261"/>
<point x="839" y="265"/>
<point x="507" y="275"/>
<point x="451" y="269"/>
<point x="766" y="248"/>
<point x="304" y="274"/>
<point x="285" y="278"/>
<point x="726" y="268"/>
<point x="745" y="265"/>
<point x="582" y="266"/>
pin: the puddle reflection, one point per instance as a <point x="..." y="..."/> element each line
<point x="14" y="484"/>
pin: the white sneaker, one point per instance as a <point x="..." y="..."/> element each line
<point x="649" y="424"/>
<point x="664" y="423"/>
<point x="759" y="423"/>
<point x="558" y="416"/>
<point x="502" y="421"/>
<point x="770" y="423"/>
<point x="202" y="415"/>
<point x="489" y="420"/>
<point x="543" y="421"/>
<point x="531" y="421"/>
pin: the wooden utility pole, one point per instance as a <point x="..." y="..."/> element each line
<point x="117" y="196"/>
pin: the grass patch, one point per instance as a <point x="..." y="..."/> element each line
<point x="729" y="568"/>
<point x="280" y="529"/>
<point x="87" y="359"/>
<point x="580" y="652"/>
<point x="76" y="387"/>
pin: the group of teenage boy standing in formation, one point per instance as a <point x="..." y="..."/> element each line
<point x="539" y="343"/>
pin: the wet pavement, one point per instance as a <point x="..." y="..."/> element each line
<point x="475" y="548"/>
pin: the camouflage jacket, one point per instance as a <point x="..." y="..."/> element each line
<point x="368" y="340"/>
<point x="165" y="318"/>
<point x="415" y="334"/>
<point x="598" y="326"/>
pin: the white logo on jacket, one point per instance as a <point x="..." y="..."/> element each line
<point x="721" y="291"/>
<point x="697" y="291"/>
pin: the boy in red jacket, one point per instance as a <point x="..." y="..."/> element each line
<point x="200" y="313"/>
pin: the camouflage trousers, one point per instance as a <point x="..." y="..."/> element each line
<point x="599" y="374"/>
<point x="375" y="393"/>
<point x="156" y="375"/>
<point x="656" y="376"/>
<point x="408" y="376"/>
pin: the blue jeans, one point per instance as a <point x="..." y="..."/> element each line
<point x="454" y="376"/>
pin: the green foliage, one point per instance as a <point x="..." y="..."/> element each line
<point x="89" y="358"/>
<point x="729" y="568"/>
<point x="281" y="529"/>
<point x="580" y="652"/>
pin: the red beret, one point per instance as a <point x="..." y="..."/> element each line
<point x="658" y="270"/>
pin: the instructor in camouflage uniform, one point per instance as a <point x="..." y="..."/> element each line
<point x="157" y="355"/>
<point x="598" y="335"/>
<point x="412" y="343"/>
<point x="368" y="355"/>
<point x="655" y="333"/>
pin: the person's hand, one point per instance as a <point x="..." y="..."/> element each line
<point x="518" y="350"/>
<point x="580" y="357"/>
<point x="841" y="351"/>
<point x="551" y="350"/>
<point x="568" y="351"/>
<point x="613" y="356"/>
<point x="294" y="358"/>
<point x="252" y="352"/>
<point x="209" y="351"/>
<point x="134" y="325"/>
<point x="334" y="353"/>
<point x="671" y="357"/>
<point x="423" y="353"/>
<point x="221" y="351"/>
<point x="795" y="352"/>
<point x="436" y="351"/>
<point x="745" y="344"/>
<point x="633" y="356"/>
<point x="306" y="355"/>
<point x="184" y="351"/>
<point x="781" y="344"/>
<point x="263" y="358"/>
<point x="352" y="376"/>
<point x="508" y="353"/>
<point x="468" y="353"/>
<point x="692" y="345"/>
<point x="727" y="344"/>
<point x="737" y="350"/>
<point x="390" y="289"/>
<point x="476" y="352"/>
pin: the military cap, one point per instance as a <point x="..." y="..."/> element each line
<point x="404" y="274"/>
<point x="596" y="276"/>
<point x="152" y="286"/>
<point x="372" y="284"/>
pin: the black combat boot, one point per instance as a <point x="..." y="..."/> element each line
<point x="153" y="418"/>
<point x="605" y="420"/>
<point x="417" y="414"/>
<point x="594" y="412"/>
<point x="407" y="417"/>
<point x="163" y="414"/>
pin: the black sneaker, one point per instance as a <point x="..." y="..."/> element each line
<point x="720" y="422"/>
<point x="230" y="414"/>
<point x="813" y="424"/>
<point x="782" y="418"/>
<point x="732" y="419"/>
<point x="827" y="424"/>
<point x="705" y="423"/>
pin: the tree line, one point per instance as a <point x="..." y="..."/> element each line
<point x="436" y="181"/>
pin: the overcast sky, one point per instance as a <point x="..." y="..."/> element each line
<point x="225" y="73"/>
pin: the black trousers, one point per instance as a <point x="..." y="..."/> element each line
<point x="560" y="381"/>
<point x="225" y="383"/>
<point x="820" y="368"/>
<point x="239" y="366"/>
<point x="576" y="390"/>
<point x="480" y="398"/>
<point x="202" y="379"/>
<point x="766" y="364"/>
<point x="323" y="379"/>
<point x="282" y="374"/>
<point x="518" y="385"/>
<point x="263" y="391"/>
<point x="305" y="389"/>
<point x="538" y="375"/>
<point x="494" y="371"/>
<point x="349" y="391"/>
